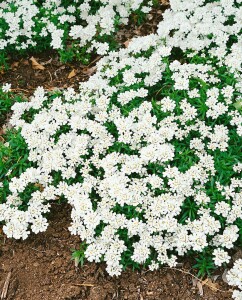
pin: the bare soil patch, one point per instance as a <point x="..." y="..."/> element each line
<point x="42" y="269"/>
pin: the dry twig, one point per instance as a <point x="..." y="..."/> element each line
<point x="6" y="285"/>
<point x="84" y="284"/>
<point x="203" y="282"/>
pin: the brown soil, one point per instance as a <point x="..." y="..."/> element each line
<point x="41" y="269"/>
<point x="25" y="79"/>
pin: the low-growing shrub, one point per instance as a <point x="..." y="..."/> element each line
<point x="74" y="29"/>
<point x="147" y="153"/>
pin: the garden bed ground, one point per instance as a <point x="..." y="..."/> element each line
<point x="41" y="268"/>
<point x="25" y="77"/>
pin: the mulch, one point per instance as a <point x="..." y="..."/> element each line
<point x="41" y="269"/>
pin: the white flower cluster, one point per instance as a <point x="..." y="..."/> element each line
<point x="25" y="22"/>
<point x="201" y="24"/>
<point x="195" y="25"/>
<point x="17" y="23"/>
<point x="144" y="137"/>
<point x="88" y="154"/>
<point x="234" y="277"/>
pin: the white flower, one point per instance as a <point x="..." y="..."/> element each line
<point x="222" y="208"/>
<point x="167" y="104"/>
<point x="6" y="87"/>
<point x="237" y="295"/>
<point x="220" y="257"/>
<point x="234" y="277"/>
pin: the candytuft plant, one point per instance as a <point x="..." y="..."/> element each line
<point x="147" y="152"/>
<point x="74" y="30"/>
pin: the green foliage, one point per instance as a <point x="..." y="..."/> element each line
<point x="13" y="160"/>
<point x="3" y="62"/>
<point x="6" y="102"/>
<point x="75" y="52"/>
<point x="79" y="255"/>
<point x="184" y="158"/>
<point x="204" y="264"/>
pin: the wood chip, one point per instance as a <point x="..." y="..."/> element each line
<point x="212" y="285"/>
<point x="89" y="71"/>
<point x="35" y="64"/>
<point x="40" y="186"/>
<point x="164" y="2"/>
<point x="72" y="74"/>
<point x="200" y="288"/>
<point x="214" y="277"/>
<point x="94" y="61"/>
<point x="99" y="272"/>
<point x="194" y="282"/>
<point x="126" y="44"/>
<point x="224" y="276"/>
<point x="25" y="62"/>
<point x="76" y="261"/>
<point x="84" y="284"/>
<point x="6" y="285"/>
<point x="47" y="62"/>
<point x="14" y="65"/>
<point x="149" y="293"/>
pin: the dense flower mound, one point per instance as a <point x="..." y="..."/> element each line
<point x="89" y="25"/>
<point x="201" y="24"/>
<point x="146" y="153"/>
<point x="31" y="24"/>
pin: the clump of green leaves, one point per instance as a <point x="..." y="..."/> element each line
<point x="13" y="159"/>
<point x="7" y="99"/>
<point x="79" y="255"/>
